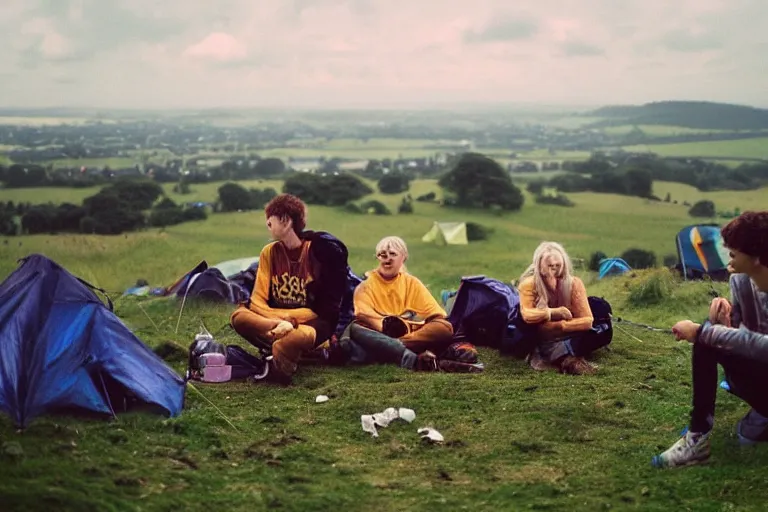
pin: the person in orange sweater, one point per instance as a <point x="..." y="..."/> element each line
<point x="299" y="284"/>
<point x="396" y="317"/>
<point x="555" y="301"/>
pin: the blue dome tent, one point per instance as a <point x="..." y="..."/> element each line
<point x="612" y="267"/>
<point x="62" y="349"/>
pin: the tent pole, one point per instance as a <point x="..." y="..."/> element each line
<point x="680" y="255"/>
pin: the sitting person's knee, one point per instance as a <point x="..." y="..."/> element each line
<point x="238" y="318"/>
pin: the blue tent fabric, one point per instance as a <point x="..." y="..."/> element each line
<point x="485" y="312"/>
<point x="210" y="284"/>
<point x="613" y="267"/>
<point x="62" y="348"/>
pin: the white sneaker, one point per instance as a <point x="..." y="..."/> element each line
<point x="692" y="448"/>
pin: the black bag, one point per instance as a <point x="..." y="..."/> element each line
<point x="242" y="365"/>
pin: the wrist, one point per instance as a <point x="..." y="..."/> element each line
<point x="697" y="334"/>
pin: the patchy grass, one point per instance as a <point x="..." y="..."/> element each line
<point x="654" y="130"/>
<point x="515" y="438"/>
<point x="723" y="199"/>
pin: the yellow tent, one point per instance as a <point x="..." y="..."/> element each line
<point x="447" y="233"/>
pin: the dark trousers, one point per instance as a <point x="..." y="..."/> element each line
<point x="362" y="345"/>
<point x="748" y="379"/>
<point x="580" y="344"/>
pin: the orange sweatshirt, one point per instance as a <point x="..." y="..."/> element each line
<point x="377" y="297"/>
<point x="281" y="284"/>
<point x="582" y="314"/>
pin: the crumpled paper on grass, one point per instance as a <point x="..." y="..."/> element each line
<point x="384" y="418"/>
<point x="431" y="435"/>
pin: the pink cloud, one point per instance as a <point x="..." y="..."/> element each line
<point x="217" y="46"/>
<point x="41" y="35"/>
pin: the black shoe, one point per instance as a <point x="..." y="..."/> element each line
<point x="337" y="356"/>
<point x="427" y="362"/>
<point x="276" y="376"/>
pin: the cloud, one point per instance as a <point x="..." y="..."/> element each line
<point x="506" y="30"/>
<point x="218" y="46"/>
<point x="177" y="53"/>
<point x="40" y="38"/>
<point x="581" y="49"/>
<point x="687" y="41"/>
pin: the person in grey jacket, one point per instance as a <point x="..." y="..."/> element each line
<point x="736" y="337"/>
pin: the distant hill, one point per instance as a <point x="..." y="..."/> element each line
<point x="689" y="114"/>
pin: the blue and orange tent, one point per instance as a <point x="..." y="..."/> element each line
<point x="701" y="252"/>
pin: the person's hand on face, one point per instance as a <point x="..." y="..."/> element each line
<point x="551" y="268"/>
<point x="390" y="263"/>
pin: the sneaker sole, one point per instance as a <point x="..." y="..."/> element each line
<point x="456" y="367"/>
<point x="658" y="463"/>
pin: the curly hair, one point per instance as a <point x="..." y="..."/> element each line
<point x="288" y="205"/>
<point x="748" y="233"/>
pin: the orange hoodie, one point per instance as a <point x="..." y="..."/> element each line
<point x="549" y="329"/>
<point x="280" y="290"/>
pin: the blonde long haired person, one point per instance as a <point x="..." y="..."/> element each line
<point x="555" y="301"/>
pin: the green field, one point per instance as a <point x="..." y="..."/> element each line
<point x="655" y="130"/>
<point x="724" y="200"/>
<point x="733" y="149"/>
<point x="382" y="148"/>
<point x="515" y="438"/>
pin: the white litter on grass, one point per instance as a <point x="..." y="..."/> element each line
<point x="384" y="418"/>
<point x="320" y="399"/>
<point x="430" y="434"/>
<point x="407" y="414"/>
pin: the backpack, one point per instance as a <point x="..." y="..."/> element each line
<point x="211" y="361"/>
<point x="211" y="285"/>
<point x="483" y="311"/>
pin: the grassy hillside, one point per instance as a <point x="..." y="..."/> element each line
<point x="515" y="438"/>
<point x="689" y="114"/>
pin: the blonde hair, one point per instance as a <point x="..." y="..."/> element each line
<point x="395" y="243"/>
<point x="534" y="270"/>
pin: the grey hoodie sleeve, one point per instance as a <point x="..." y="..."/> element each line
<point x="741" y="341"/>
<point x="736" y="314"/>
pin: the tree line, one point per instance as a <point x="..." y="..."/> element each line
<point x="705" y="176"/>
<point x="127" y="205"/>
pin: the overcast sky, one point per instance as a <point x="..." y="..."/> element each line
<point x="208" y="53"/>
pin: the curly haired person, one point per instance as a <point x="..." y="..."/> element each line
<point x="300" y="281"/>
<point x="735" y="337"/>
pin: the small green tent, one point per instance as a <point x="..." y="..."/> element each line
<point x="447" y="233"/>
